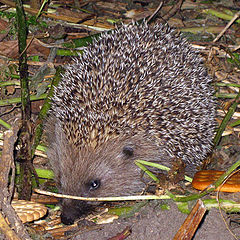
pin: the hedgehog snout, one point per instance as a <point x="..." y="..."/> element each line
<point x="73" y="210"/>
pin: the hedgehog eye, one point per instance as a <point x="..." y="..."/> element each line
<point x="128" y="151"/>
<point x="95" y="184"/>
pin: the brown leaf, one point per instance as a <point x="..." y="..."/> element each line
<point x="10" y="49"/>
<point x="4" y="29"/>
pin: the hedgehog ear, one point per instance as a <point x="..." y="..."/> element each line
<point x="128" y="151"/>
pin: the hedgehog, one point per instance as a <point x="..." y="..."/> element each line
<point x="138" y="92"/>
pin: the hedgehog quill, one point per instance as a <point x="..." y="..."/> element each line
<point x="139" y="92"/>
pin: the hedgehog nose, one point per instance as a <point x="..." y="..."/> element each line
<point x="67" y="219"/>
<point x="70" y="211"/>
<point x="73" y="210"/>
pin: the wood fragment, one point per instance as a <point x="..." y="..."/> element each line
<point x="6" y="166"/>
<point x="191" y="223"/>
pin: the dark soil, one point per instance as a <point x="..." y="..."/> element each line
<point x="154" y="223"/>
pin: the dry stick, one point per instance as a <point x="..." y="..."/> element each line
<point x="6" y="230"/>
<point x="50" y="15"/>
<point x="173" y="10"/>
<point x="155" y="12"/>
<point x="236" y="48"/>
<point x="28" y="44"/>
<point x="191" y="223"/>
<point x="103" y="199"/>
<point x="6" y="165"/>
<point x="236" y="16"/>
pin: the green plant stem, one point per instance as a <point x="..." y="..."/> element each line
<point x="234" y="123"/>
<point x="226" y="119"/>
<point x="155" y="165"/>
<point x="45" y="108"/>
<point x="220" y="14"/>
<point x="24" y="154"/>
<point x="197" y="30"/>
<point x="42" y="173"/>
<point x="18" y="100"/>
<point x="227" y="205"/>
<point x="10" y="83"/>
<point x="226" y="95"/>
<point x="6" y="125"/>
<point x="41" y="8"/>
<point x="145" y="170"/>
<point x="220" y="84"/>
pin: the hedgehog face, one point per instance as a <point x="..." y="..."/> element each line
<point x="108" y="170"/>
